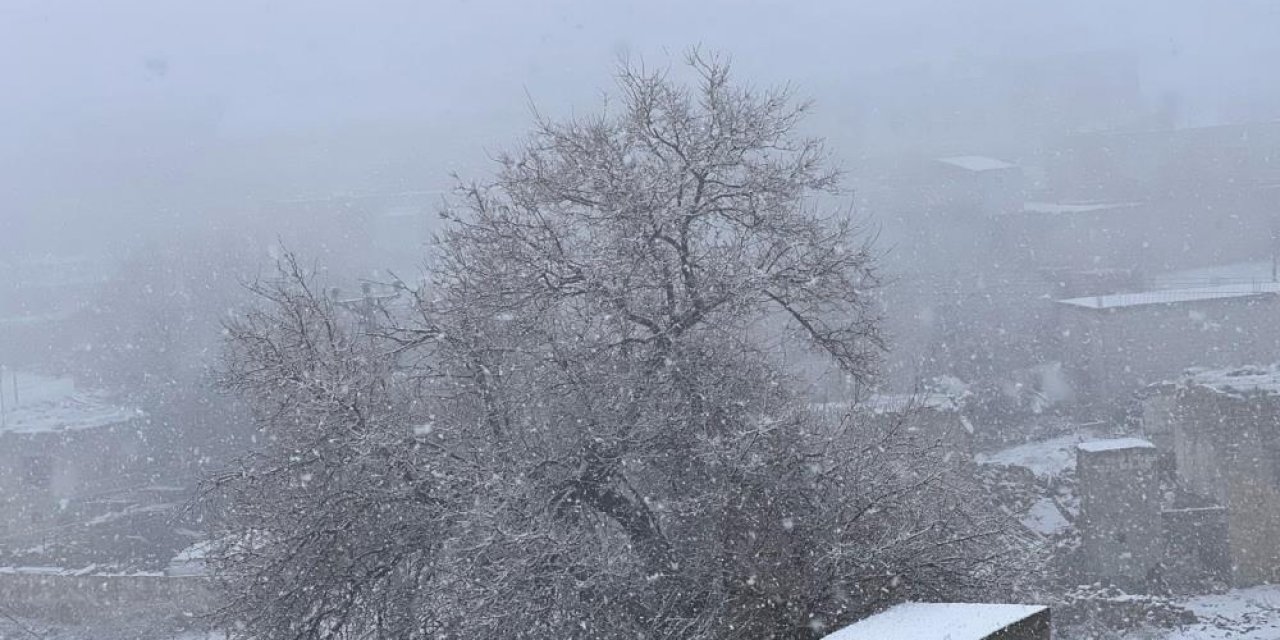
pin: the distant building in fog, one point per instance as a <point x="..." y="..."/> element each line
<point x="1223" y="428"/>
<point x="1113" y="345"/>
<point x="38" y="295"/>
<point x="932" y="417"/>
<point x="58" y="445"/>
<point x="365" y="231"/>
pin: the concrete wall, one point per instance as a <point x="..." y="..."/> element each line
<point x="1122" y="537"/>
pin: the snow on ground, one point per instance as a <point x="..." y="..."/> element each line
<point x="36" y="403"/>
<point x="1044" y="518"/>
<point x="1047" y="458"/>
<point x="1239" y="614"/>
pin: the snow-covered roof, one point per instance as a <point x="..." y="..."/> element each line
<point x="190" y="561"/>
<point x="1047" y="458"/>
<point x="940" y="621"/>
<point x="900" y="402"/>
<point x="1240" y="381"/>
<point x="1045" y="518"/>
<point x="91" y="570"/>
<point x="882" y="403"/>
<point x="1174" y="296"/>
<point x="1075" y="207"/>
<point x="976" y="163"/>
<point x="1114" y="444"/>
<point x="36" y="403"/>
<point x="1232" y="273"/>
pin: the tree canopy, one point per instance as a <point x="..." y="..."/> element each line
<point x="581" y="425"/>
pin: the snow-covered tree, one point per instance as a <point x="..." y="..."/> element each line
<point x="579" y="427"/>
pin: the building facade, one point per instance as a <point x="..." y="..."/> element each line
<point x="59" y="446"/>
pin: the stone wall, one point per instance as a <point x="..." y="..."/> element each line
<point x="1197" y="537"/>
<point x="1157" y="414"/>
<point x="1228" y="450"/>
<point x="1121" y="533"/>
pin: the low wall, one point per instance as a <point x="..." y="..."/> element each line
<point x="73" y="599"/>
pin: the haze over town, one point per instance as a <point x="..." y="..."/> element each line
<point x="722" y="319"/>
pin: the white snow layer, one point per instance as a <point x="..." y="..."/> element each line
<point x="1048" y="458"/>
<point x="36" y="403"/>
<point x="1238" y="381"/>
<point x="1239" y="614"/>
<point x="1174" y="296"/>
<point x="1045" y="518"/>
<point x="976" y="163"/>
<point x="1068" y="208"/>
<point x="942" y="621"/>
<point x="1115" y="444"/>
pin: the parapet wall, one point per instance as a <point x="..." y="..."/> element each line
<point x="78" y="599"/>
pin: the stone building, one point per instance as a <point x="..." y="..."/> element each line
<point x="933" y="417"/>
<point x="1120" y="525"/>
<point x="1224" y="430"/>
<point x="1114" y="345"/>
<point x="58" y="447"/>
<point x="952" y="621"/>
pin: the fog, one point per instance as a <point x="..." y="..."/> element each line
<point x="136" y="116"/>
<point x="1067" y="211"/>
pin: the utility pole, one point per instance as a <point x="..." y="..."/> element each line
<point x="1275" y="247"/>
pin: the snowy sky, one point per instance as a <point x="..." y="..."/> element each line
<point x="122" y="106"/>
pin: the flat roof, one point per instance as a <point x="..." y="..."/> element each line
<point x="900" y="402"/>
<point x="1114" y="444"/>
<point x="35" y="403"/>
<point x="937" y="621"/>
<point x="1255" y="271"/>
<point x="977" y="163"/>
<point x="1239" y="381"/>
<point x="1075" y="207"/>
<point x="1174" y="296"/>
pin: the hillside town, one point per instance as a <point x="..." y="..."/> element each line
<point x="1050" y="394"/>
